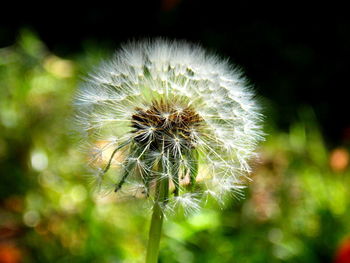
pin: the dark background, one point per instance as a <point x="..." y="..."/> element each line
<point x="295" y="55"/>
<point x="296" y="209"/>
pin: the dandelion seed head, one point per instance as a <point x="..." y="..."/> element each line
<point x="173" y="106"/>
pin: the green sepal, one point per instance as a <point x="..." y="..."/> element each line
<point x="128" y="167"/>
<point x="174" y="165"/>
<point x="192" y="158"/>
<point x="148" y="174"/>
<point x="126" y="172"/>
<point x="119" y="147"/>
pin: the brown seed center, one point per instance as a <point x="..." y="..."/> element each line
<point x="164" y="123"/>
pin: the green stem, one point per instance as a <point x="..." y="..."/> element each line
<point x="155" y="231"/>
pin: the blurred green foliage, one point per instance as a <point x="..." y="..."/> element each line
<point x="296" y="209"/>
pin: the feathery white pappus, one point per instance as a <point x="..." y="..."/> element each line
<point x="168" y="111"/>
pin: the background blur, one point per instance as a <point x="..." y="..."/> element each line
<point x="297" y="209"/>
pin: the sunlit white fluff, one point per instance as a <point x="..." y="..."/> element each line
<point x="141" y="72"/>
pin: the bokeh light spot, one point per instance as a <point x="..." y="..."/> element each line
<point x="31" y="218"/>
<point x="39" y="160"/>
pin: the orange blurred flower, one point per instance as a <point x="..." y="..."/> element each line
<point x="9" y="254"/>
<point x="339" y="159"/>
<point x="343" y="252"/>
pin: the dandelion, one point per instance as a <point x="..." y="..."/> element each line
<point x="183" y="123"/>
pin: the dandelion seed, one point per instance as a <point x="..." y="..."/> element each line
<point x="188" y="203"/>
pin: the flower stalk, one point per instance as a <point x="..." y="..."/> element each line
<point x="155" y="231"/>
